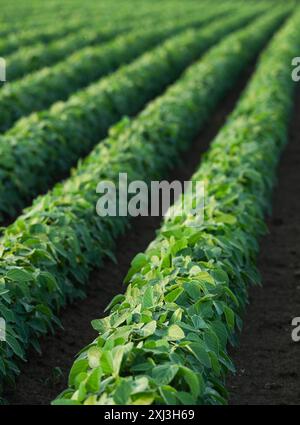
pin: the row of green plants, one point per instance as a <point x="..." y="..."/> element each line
<point x="48" y="252"/>
<point x="32" y="25"/>
<point x="165" y="341"/>
<point x="57" y="28"/>
<point x="22" y="18"/>
<point x="15" y="40"/>
<point x="40" y="149"/>
<point x="42" y="88"/>
<point x="31" y="58"/>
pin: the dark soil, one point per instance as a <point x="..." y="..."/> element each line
<point x="267" y="360"/>
<point x="43" y="377"/>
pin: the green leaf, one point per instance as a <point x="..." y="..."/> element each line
<point x="173" y="295"/>
<point x="137" y="263"/>
<point x="117" y="299"/>
<point x="101" y="325"/>
<point x="200" y="352"/>
<point x="186" y="399"/>
<point x="18" y="274"/>
<point x="168" y="394"/>
<point x="211" y="340"/>
<point x="106" y="362"/>
<point x="164" y="374"/>
<point x="194" y="381"/>
<point x="226" y="218"/>
<point x="148" y="298"/>
<point x="93" y="381"/>
<point x="79" y="366"/>
<point x="65" y="402"/>
<point x="215" y="362"/>
<point x="220" y="276"/>
<point x="117" y="355"/>
<point x="175" y="333"/>
<point x="94" y="354"/>
<point x="229" y="314"/>
<point x="148" y="329"/>
<point x="198" y="322"/>
<point x="14" y="345"/>
<point x="123" y="392"/>
<point x="143" y="399"/>
<point x="140" y="384"/>
<point x="194" y="290"/>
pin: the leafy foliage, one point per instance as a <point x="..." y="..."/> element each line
<point x="26" y="28"/>
<point x="186" y="293"/>
<point x="41" y="89"/>
<point x="43" y="147"/>
<point x="34" y="57"/>
<point x="47" y="254"/>
<point x="13" y="42"/>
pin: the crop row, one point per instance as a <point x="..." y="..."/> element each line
<point x="47" y="254"/>
<point x="165" y="340"/>
<point x="39" y="90"/>
<point x="16" y="40"/>
<point x="57" y="29"/>
<point x="43" y="147"/>
<point x="30" y="28"/>
<point x="29" y="59"/>
<point x="46" y="18"/>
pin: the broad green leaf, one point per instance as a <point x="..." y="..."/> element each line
<point x="106" y="362"/>
<point x="79" y="366"/>
<point x="194" y="381"/>
<point x="93" y="381"/>
<point x="200" y="352"/>
<point x="117" y="355"/>
<point x="148" y="329"/>
<point x="148" y="299"/>
<point x="123" y="392"/>
<point x="173" y="295"/>
<point x="94" y="354"/>
<point x="143" y="399"/>
<point x="164" y="374"/>
<point x="175" y="333"/>
<point x="18" y="274"/>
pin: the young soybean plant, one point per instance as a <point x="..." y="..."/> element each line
<point x="165" y="340"/>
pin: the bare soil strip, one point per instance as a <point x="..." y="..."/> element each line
<point x="43" y="377"/>
<point x="267" y="360"/>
